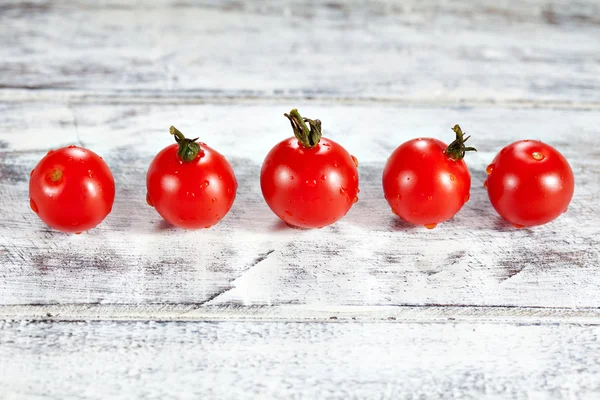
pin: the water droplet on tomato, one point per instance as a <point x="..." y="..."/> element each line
<point x="204" y="184"/>
<point x="526" y="140"/>
<point x="354" y="178"/>
<point x="220" y="177"/>
<point x="467" y="197"/>
<point x="311" y="182"/>
<point x="355" y="199"/>
<point x="31" y="173"/>
<point x="489" y="169"/>
<point x="357" y="190"/>
<point x="207" y="226"/>
<point x="430" y="226"/>
<point x="214" y="200"/>
<point x="72" y="146"/>
<point x="33" y="206"/>
<point x="566" y="209"/>
<point x="289" y="213"/>
<point x="90" y="173"/>
<point x="355" y="160"/>
<point x="149" y="200"/>
<point x="429" y="197"/>
<point x="325" y="144"/>
<point x="485" y="184"/>
<point x="519" y="226"/>
<point x="78" y="233"/>
<point x="49" y="152"/>
<point x="291" y="177"/>
<point x="323" y="177"/>
<point x="452" y="178"/>
<point x="75" y="223"/>
<point x="399" y="197"/>
<point x="394" y="212"/>
<point x="229" y="190"/>
<point x="335" y="164"/>
<point x="342" y="191"/>
<point x="537" y="155"/>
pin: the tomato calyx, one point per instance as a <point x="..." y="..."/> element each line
<point x="56" y="175"/>
<point x="307" y="137"/>
<point x="457" y="149"/>
<point x="188" y="148"/>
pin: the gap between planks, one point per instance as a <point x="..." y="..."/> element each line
<point x="303" y="313"/>
<point x="26" y="95"/>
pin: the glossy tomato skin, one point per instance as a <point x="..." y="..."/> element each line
<point x="191" y="195"/>
<point x="423" y="185"/>
<point x="71" y="189"/>
<point x="530" y="183"/>
<point x="309" y="187"/>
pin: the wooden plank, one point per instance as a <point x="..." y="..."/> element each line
<point x="412" y="50"/>
<point x="301" y="313"/>
<point x="369" y="258"/>
<point x="297" y="360"/>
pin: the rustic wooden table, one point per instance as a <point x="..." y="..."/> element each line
<point x="366" y="308"/>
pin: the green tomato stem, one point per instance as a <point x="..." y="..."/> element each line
<point x="457" y="149"/>
<point x="308" y="137"/>
<point x="188" y="148"/>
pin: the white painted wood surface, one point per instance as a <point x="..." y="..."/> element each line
<point x="488" y="51"/>
<point x="473" y="309"/>
<point x="101" y="360"/>
<point x="369" y="258"/>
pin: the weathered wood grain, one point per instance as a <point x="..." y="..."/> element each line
<point x="370" y="258"/>
<point x="190" y="312"/>
<point x="297" y="360"/>
<point x="424" y="51"/>
<point x="113" y="75"/>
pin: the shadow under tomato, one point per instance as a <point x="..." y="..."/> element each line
<point x="278" y="226"/>
<point x="502" y="225"/>
<point x="281" y="225"/>
<point x="399" y="224"/>
<point x="163" y="225"/>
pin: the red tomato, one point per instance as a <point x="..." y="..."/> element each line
<point x="190" y="184"/>
<point x="426" y="182"/>
<point x="529" y="183"/>
<point x="309" y="181"/>
<point x="71" y="189"/>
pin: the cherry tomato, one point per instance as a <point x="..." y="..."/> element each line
<point x="190" y="184"/>
<point x="307" y="180"/>
<point x="426" y="182"/>
<point x="71" y="189"/>
<point x="529" y="183"/>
